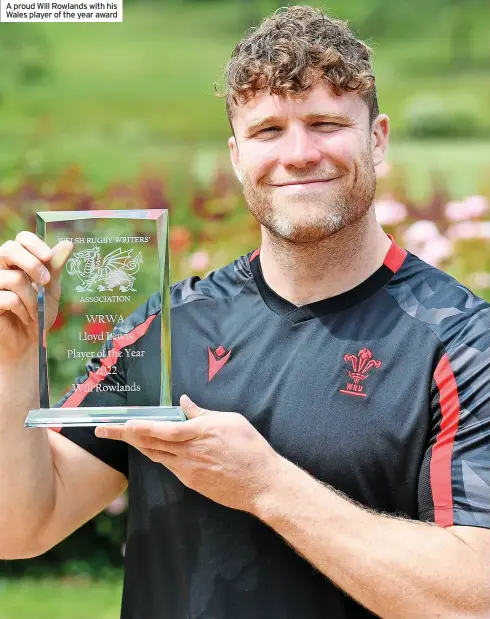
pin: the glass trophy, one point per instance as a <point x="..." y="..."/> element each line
<point x="120" y="258"/>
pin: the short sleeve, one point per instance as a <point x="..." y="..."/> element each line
<point x="454" y="481"/>
<point x="104" y="383"/>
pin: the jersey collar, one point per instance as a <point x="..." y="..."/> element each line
<point x="392" y="263"/>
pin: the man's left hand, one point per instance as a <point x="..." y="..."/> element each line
<point x="218" y="454"/>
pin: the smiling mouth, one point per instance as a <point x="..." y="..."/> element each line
<point x="315" y="182"/>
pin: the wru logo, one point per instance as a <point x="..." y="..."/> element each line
<point x="116" y="269"/>
<point x="361" y="364"/>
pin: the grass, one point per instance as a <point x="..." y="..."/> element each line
<point x="52" y="599"/>
<point x="463" y="166"/>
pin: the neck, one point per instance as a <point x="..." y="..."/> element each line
<point x="310" y="272"/>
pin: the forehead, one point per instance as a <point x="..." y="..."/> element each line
<point x="320" y="99"/>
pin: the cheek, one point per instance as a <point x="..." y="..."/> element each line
<point x="257" y="163"/>
<point x="342" y="151"/>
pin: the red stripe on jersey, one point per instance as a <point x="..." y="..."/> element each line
<point x="441" y="461"/>
<point x="94" y="378"/>
<point x="395" y="256"/>
<point x="255" y="254"/>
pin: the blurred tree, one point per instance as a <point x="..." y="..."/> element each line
<point x="24" y="56"/>
<point x="463" y="14"/>
<point x="415" y="19"/>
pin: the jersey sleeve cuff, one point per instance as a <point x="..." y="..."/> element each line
<point x="469" y="517"/>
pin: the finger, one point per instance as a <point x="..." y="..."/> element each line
<point x="167" y="430"/>
<point x="114" y="433"/>
<point x="118" y="433"/>
<point x="167" y="460"/>
<point x="14" y="255"/>
<point x="10" y="302"/>
<point x="18" y="282"/>
<point x="34" y="245"/>
<point x="148" y="442"/>
<point x="61" y="252"/>
<point x="190" y="408"/>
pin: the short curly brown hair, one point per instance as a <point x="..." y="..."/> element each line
<point x="290" y="50"/>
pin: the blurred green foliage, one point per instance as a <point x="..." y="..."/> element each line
<point x="430" y="117"/>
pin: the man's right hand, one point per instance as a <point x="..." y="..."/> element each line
<point x="25" y="264"/>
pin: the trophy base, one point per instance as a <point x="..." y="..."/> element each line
<point x="100" y="415"/>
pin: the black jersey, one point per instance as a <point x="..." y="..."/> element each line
<point x="382" y="391"/>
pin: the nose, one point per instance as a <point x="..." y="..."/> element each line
<point x="299" y="149"/>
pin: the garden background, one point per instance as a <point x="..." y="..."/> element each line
<point x="125" y="116"/>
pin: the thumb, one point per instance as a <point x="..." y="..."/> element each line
<point x="61" y="252"/>
<point x="191" y="409"/>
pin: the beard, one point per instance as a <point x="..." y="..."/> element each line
<point x="313" y="216"/>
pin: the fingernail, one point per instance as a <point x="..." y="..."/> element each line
<point x="45" y="276"/>
<point x="101" y="433"/>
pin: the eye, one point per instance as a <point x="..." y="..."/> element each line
<point x="269" y="129"/>
<point x="326" y="124"/>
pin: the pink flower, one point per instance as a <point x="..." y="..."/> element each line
<point x="455" y="211"/>
<point x="471" y="207"/>
<point x="470" y="230"/>
<point x="420" y="232"/>
<point x="477" y="205"/>
<point x="200" y="261"/>
<point x="118" y="506"/>
<point x="389" y="212"/>
<point x="436" y="250"/>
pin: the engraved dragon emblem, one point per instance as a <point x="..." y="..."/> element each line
<point x="116" y="269"/>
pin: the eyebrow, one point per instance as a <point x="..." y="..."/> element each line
<point x="257" y="124"/>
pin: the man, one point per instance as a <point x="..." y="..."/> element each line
<point x="335" y="461"/>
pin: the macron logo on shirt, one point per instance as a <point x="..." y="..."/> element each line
<point x="217" y="360"/>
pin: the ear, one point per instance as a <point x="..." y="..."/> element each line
<point x="380" y="132"/>
<point x="235" y="157"/>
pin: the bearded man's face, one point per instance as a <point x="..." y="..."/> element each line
<point x="307" y="164"/>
